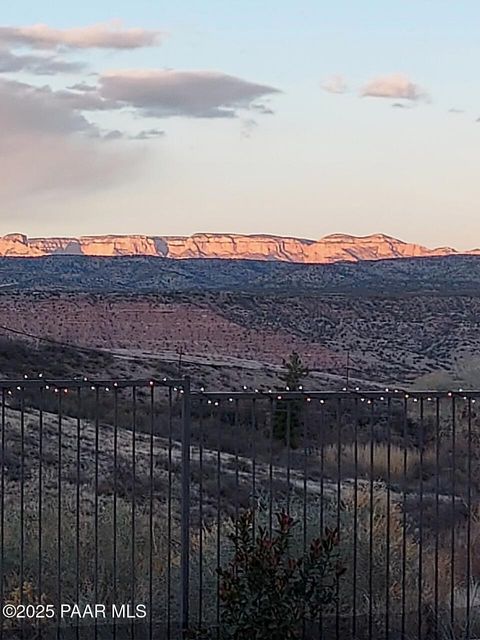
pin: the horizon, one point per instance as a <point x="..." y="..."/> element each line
<point x="327" y="236"/>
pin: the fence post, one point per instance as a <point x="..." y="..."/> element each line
<point x="185" y="507"/>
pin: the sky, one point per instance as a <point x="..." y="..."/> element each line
<point x="290" y="118"/>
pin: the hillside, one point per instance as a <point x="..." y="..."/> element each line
<point x="454" y="274"/>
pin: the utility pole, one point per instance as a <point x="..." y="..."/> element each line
<point x="180" y="354"/>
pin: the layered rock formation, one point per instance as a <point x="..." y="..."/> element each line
<point x="333" y="248"/>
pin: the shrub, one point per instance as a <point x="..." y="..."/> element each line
<point x="264" y="591"/>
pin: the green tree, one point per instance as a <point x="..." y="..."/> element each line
<point x="288" y="414"/>
<point x="295" y="371"/>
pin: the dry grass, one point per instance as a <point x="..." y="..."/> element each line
<point x="379" y="461"/>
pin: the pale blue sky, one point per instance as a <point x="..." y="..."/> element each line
<point x="321" y="163"/>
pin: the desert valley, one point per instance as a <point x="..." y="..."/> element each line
<point x="228" y="309"/>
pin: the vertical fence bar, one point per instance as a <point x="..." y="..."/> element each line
<point x="355" y="518"/>
<point x="253" y="448"/>
<point x="169" y="514"/>
<point x="22" y="502"/>
<point x="59" y="512"/>
<point x="339" y="502"/>
<point x="404" y="516"/>
<point x="237" y="476"/>
<point x="288" y="437"/>
<point x="421" y="438"/>
<point x="96" y="501"/>
<point x="200" y="507"/>
<point x="452" y="549"/>
<point x="437" y="513"/>
<point x="40" y="501"/>
<point x="305" y="415"/>
<point x="387" y="530"/>
<point x="370" y="531"/>
<point x="322" y="491"/>
<point x="185" y="506"/>
<point x="2" y="510"/>
<point x="133" y="503"/>
<point x="218" y="519"/>
<point x="469" y="523"/>
<point x="272" y="407"/>
<point x="77" y="507"/>
<point x="114" y="506"/>
<point x="151" y="523"/>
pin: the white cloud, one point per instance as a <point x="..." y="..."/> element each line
<point x="47" y="145"/>
<point x="182" y="93"/>
<point x="335" y="84"/>
<point x="396" y="86"/>
<point x="110" y="35"/>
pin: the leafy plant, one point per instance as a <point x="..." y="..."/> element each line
<point x="267" y="593"/>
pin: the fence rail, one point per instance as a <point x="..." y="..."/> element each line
<point x="127" y="494"/>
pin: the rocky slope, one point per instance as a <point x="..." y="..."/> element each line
<point x="332" y="248"/>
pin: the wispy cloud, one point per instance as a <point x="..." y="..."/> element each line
<point x="394" y="86"/>
<point x="36" y="64"/>
<point x="335" y="84"/>
<point x="110" y="35"/>
<point x="161" y="93"/>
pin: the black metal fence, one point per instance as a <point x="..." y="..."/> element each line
<point x="119" y="501"/>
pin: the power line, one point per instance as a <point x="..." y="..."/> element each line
<point x="58" y="343"/>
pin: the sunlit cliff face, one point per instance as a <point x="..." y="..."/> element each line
<point x="333" y="248"/>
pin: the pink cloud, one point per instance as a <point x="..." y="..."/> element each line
<point x="110" y="35"/>
<point x="396" y="86"/>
